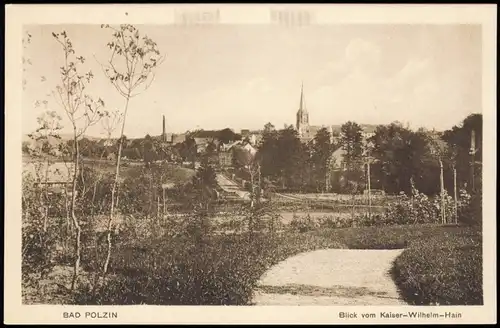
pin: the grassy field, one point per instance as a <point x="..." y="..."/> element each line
<point x="172" y="172"/>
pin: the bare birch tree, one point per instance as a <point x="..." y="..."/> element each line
<point x="82" y="111"/>
<point x="49" y="125"/>
<point x="109" y="123"/>
<point x="131" y="70"/>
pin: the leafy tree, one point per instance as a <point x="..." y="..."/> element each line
<point x="322" y="149"/>
<point x="268" y="151"/>
<point x="205" y="185"/>
<point x="459" y="139"/>
<point x="305" y="169"/>
<point x="149" y="150"/>
<point x="189" y="150"/>
<point x="351" y="141"/>
<point x="290" y="159"/>
<point x="211" y="148"/>
<point x="402" y="155"/>
<point x="284" y="158"/>
<point x="211" y="153"/>
<point x="241" y="157"/>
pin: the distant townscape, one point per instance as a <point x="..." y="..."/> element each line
<point x="337" y="213"/>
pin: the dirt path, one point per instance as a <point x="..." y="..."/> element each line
<point x="331" y="277"/>
<point x="232" y="187"/>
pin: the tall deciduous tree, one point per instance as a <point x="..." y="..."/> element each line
<point x="149" y="152"/>
<point x="322" y="149"/>
<point x="401" y="155"/>
<point x="290" y="159"/>
<point x="268" y="151"/>
<point x="459" y="138"/>
<point x="351" y="141"/>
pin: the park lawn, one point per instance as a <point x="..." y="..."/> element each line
<point x="173" y="173"/>
<point x="440" y="264"/>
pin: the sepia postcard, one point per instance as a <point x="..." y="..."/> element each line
<point x="257" y="163"/>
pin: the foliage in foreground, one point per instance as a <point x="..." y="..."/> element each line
<point x="177" y="264"/>
<point x="444" y="270"/>
<point x="169" y="267"/>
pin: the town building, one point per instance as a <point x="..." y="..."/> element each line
<point x="253" y="137"/>
<point x="307" y="132"/>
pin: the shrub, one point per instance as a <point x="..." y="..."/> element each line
<point x="42" y="230"/>
<point x="420" y="208"/>
<point x="178" y="265"/>
<point x="471" y="212"/>
<point x="444" y="270"/>
<point x="303" y="224"/>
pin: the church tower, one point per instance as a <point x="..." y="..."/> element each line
<point x="302" y="115"/>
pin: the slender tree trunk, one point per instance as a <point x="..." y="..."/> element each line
<point x="68" y="220"/>
<point x="76" y="223"/>
<point x="353" y="204"/>
<point x="441" y="179"/>
<point x="252" y="189"/>
<point x="369" y="191"/>
<point x="114" y="189"/>
<point x="259" y="185"/>
<point x="472" y="161"/>
<point x="164" y="203"/>
<point x="92" y="220"/>
<point x="158" y="209"/>
<point x="150" y="195"/>
<point x="455" y="193"/>
<point x="45" y="197"/>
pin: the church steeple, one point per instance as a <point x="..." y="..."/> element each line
<point x="302" y="114"/>
<point x="302" y="106"/>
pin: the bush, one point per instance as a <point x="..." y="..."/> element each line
<point x="303" y="224"/>
<point x="45" y="232"/>
<point x="175" y="264"/>
<point x="444" y="270"/>
<point x="471" y="213"/>
<point x="419" y="208"/>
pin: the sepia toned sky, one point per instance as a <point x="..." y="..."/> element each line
<point x="243" y="76"/>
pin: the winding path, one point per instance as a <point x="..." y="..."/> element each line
<point x="331" y="277"/>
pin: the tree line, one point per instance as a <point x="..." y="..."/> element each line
<point x="398" y="157"/>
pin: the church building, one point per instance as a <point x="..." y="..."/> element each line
<point x="306" y="131"/>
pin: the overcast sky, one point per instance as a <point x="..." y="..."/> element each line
<point x="244" y="76"/>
